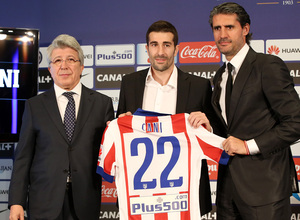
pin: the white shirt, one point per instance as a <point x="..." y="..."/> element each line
<point x="62" y="101"/>
<point x="236" y="62"/>
<point x="160" y="98"/>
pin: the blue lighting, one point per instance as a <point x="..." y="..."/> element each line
<point x="14" y="101"/>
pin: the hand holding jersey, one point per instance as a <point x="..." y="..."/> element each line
<point x="156" y="163"/>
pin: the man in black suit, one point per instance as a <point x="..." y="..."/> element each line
<point x="54" y="175"/>
<point x="259" y="109"/>
<point x="165" y="88"/>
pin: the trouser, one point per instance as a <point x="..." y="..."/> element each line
<point x="231" y="206"/>
<point x="68" y="211"/>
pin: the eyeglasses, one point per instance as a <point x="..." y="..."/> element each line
<point x="69" y="61"/>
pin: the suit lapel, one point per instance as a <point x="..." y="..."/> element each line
<point x="217" y="92"/>
<point x="86" y="103"/>
<point x="51" y="107"/>
<point x="182" y="91"/>
<point x="240" y="82"/>
<point x="140" y="88"/>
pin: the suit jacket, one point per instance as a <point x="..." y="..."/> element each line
<point x="193" y="94"/>
<point x="264" y="107"/>
<point x="44" y="155"/>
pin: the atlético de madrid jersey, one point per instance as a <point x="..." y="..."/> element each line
<point x="156" y="162"/>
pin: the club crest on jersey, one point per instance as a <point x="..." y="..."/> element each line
<point x="152" y="127"/>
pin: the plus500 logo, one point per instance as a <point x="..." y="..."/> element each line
<point x="142" y="208"/>
<point x="110" y="55"/>
<point x="114" y="57"/>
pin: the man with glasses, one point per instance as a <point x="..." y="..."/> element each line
<point x="54" y="175"/>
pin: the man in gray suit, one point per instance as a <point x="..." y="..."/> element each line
<point x="259" y="109"/>
<point x="54" y="175"/>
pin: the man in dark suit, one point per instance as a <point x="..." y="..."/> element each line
<point x="259" y="109"/>
<point x="165" y="88"/>
<point x="54" y="175"/>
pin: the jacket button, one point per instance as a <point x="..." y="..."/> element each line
<point x="65" y="170"/>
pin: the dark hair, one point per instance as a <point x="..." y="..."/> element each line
<point x="162" y="26"/>
<point x="232" y="8"/>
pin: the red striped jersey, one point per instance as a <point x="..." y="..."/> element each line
<point x="156" y="162"/>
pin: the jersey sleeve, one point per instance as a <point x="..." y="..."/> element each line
<point x="107" y="158"/>
<point x="211" y="145"/>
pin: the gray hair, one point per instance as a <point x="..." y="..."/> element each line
<point x="63" y="41"/>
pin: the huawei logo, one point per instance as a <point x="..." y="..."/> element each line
<point x="273" y="49"/>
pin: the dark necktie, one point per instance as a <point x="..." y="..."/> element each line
<point x="228" y="89"/>
<point x="69" y="118"/>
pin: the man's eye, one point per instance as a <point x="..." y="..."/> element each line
<point x="71" y="60"/>
<point x="57" y="61"/>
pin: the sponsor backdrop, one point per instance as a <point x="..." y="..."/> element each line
<point x="113" y="37"/>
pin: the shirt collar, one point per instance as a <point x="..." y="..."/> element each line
<point x="238" y="59"/>
<point x="172" y="81"/>
<point x="59" y="91"/>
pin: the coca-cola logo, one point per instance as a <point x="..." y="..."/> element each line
<point x="199" y="52"/>
<point x="109" y="192"/>
<point x="206" y="51"/>
<point x="212" y="170"/>
<point x="297" y="165"/>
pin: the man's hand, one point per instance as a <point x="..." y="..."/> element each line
<point x="233" y="146"/>
<point x="16" y="212"/>
<point x="121" y="115"/>
<point x="124" y="114"/>
<point x="199" y="118"/>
